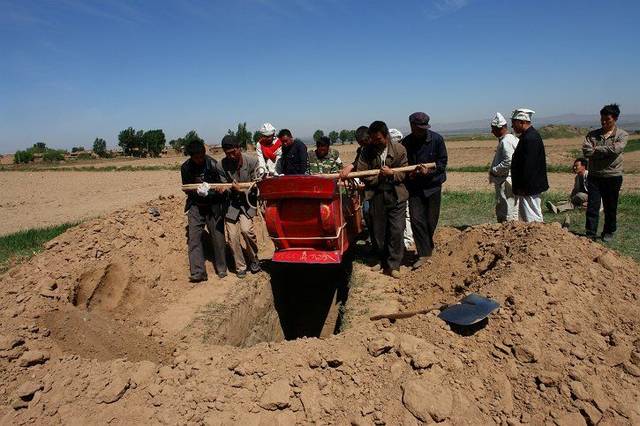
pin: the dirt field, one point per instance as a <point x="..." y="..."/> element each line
<point x="37" y="199"/>
<point x="103" y="327"/>
<point x="461" y="154"/>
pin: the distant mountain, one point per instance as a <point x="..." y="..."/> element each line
<point x="627" y="121"/>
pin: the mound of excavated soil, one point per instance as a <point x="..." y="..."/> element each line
<point x="103" y="327"/>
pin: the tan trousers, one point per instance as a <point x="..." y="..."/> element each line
<point x="241" y="236"/>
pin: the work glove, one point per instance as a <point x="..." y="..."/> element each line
<point x="203" y="189"/>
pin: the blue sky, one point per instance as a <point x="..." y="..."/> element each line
<point x="74" y="70"/>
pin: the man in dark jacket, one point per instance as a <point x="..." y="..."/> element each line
<point x="386" y="194"/>
<point x="528" y="167"/>
<point x="234" y="168"/>
<point x="203" y="207"/>
<point x="604" y="147"/>
<point x="424" y="185"/>
<point x="294" y="159"/>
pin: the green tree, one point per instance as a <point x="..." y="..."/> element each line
<point x="39" y="147"/>
<point x="180" y="143"/>
<point x="317" y="135"/>
<point x="344" y="136"/>
<point x="100" y="147"/>
<point x="352" y="136"/>
<point x="23" y="157"/>
<point x="130" y="141"/>
<point x="256" y="137"/>
<point x="244" y="136"/>
<point x="153" y="142"/>
<point x="333" y="136"/>
<point x="77" y="149"/>
<point x="52" y="155"/>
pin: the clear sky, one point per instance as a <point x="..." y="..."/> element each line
<point x="74" y="70"/>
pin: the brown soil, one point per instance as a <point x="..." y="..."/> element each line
<point x="103" y="327"/>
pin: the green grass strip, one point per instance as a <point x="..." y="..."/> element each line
<point x="21" y="245"/>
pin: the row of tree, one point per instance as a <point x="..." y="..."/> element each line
<point x="151" y="143"/>
<point x="344" y="136"/>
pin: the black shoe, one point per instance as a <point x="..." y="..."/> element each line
<point x="222" y="274"/>
<point x="241" y="273"/>
<point x="607" y="237"/>
<point x="198" y="279"/>
<point x="255" y="267"/>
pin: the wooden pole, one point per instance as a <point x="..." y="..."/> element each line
<point x="352" y="175"/>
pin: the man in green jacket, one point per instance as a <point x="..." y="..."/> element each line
<point x="603" y="148"/>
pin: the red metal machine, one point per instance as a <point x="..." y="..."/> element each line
<point x="310" y="219"/>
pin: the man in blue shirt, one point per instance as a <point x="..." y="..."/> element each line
<point x="424" y="185"/>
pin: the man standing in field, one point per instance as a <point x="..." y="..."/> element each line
<point x="500" y="171"/>
<point x="528" y="167"/>
<point x="268" y="149"/>
<point x="294" y="159"/>
<point x="324" y="159"/>
<point x="387" y="196"/>
<point x="235" y="168"/>
<point x="604" y="147"/>
<point x="425" y="185"/>
<point x="203" y="207"/>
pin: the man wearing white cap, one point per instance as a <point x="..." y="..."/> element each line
<point x="396" y="136"/>
<point x="528" y="167"/>
<point x="500" y="171"/>
<point x="268" y="150"/>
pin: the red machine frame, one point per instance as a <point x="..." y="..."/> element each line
<point x="310" y="219"/>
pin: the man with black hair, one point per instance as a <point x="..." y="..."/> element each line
<point x="603" y="148"/>
<point x="204" y="207"/>
<point x="294" y="159"/>
<point x="387" y="196"/>
<point x="425" y="185"/>
<point x="362" y="138"/>
<point x="324" y="159"/>
<point x="579" y="194"/>
<point x="234" y="168"/>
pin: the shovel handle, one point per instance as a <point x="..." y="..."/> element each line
<point x="407" y="314"/>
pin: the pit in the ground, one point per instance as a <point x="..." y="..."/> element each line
<point x="298" y="301"/>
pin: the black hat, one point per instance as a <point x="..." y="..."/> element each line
<point x="230" y="141"/>
<point x="420" y="119"/>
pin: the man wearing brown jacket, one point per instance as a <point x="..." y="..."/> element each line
<point x="387" y="196"/>
<point x="603" y="148"/>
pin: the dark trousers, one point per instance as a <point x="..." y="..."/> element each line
<point x="606" y="189"/>
<point x="198" y="217"/>
<point x="387" y="219"/>
<point x="424" y="212"/>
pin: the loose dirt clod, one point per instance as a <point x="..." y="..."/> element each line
<point x="128" y="338"/>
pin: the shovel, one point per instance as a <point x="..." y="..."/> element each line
<point x="472" y="309"/>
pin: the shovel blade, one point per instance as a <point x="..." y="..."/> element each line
<point x="472" y="309"/>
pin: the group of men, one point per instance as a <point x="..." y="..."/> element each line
<point x="399" y="207"/>
<point x="519" y="172"/>
<point x="228" y="213"/>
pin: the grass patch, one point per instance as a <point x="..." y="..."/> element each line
<point x="19" y="246"/>
<point x="632" y="145"/>
<point x="473" y="208"/>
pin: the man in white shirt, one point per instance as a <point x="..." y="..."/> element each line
<point x="500" y="171"/>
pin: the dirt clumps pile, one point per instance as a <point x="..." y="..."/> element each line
<point x="103" y="327"/>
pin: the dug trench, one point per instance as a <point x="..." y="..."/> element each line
<point x="103" y="327"/>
